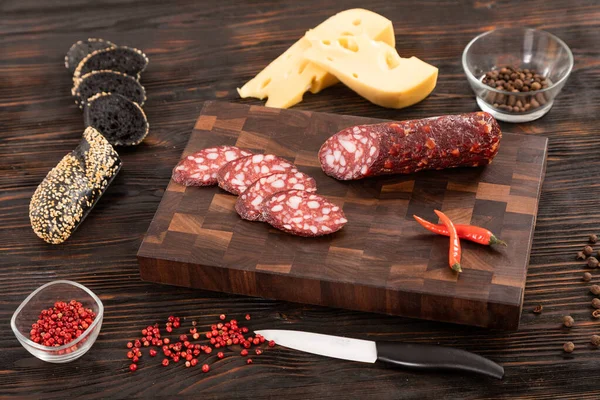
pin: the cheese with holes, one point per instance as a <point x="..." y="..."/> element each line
<point x="373" y="69"/>
<point x="290" y="75"/>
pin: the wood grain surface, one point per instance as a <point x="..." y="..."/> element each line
<point x="382" y="261"/>
<point x="201" y="50"/>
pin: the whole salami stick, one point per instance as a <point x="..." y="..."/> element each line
<point x="468" y="140"/>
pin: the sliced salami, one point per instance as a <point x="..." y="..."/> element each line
<point x="249" y="204"/>
<point x="201" y="168"/>
<point x="236" y="176"/>
<point x="303" y="213"/>
<point x="466" y="140"/>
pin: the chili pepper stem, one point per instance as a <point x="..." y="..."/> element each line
<point x="495" y="240"/>
<point x="456" y="267"/>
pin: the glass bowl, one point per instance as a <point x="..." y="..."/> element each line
<point x="519" y="48"/>
<point x="45" y="296"/>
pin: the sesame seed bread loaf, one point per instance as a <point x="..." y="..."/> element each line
<point x="110" y="82"/>
<point x="82" y="48"/>
<point x="123" y="59"/>
<point x="121" y="121"/>
<point x="70" y="190"/>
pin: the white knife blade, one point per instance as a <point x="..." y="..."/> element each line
<point x="324" y="345"/>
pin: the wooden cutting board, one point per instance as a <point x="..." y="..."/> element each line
<point x="382" y="261"/>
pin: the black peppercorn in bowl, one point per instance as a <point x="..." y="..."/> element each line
<point x="517" y="72"/>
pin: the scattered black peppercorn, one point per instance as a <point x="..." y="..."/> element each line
<point x="592" y="262"/>
<point x="568" y="321"/>
<point x="588" y="251"/>
<point x="593" y="238"/>
<point x="538" y="309"/>
<point x="568" y="347"/>
<point x="587" y="276"/>
<point x="596" y="302"/>
<point x="595" y="340"/>
<point x="595" y="289"/>
<point x="596" y="314"/>
<point x="581" y="256"/>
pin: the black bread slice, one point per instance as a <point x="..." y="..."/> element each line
<point x="123" y="59"/>
<point x="82" y="48"/>
<point x="72" y="188"/>
<point x="121" y="121"/>
<point x="109" y="82"/>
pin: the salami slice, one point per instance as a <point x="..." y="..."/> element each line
<point x="236" y="176"/>
<point x="201" y="168"/>
<point x="466" y="140"/>
<point x="249" y="204"/>
<point x="303" y="213"/>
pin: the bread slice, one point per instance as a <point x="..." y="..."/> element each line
<point x="120" y="120"/>
<point x="123" y="59"/>
<point x="72" y="188"/>
<point x="82" y="48"/>
<point x="109" y="82"/>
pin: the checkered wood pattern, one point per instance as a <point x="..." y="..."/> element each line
<point x="382" y="260"/>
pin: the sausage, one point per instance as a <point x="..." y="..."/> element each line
<point x="466" y="140"/>
<point x="201" y="168"/>
<point x="249" y="204"/>
<point x="237" y="175"/>
<point x="303" y="213"/>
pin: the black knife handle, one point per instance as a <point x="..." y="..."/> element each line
<point x="421" y="356"/>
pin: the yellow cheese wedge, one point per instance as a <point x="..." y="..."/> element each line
<point x="290" y="75"/>
<point x="373" y="69"/>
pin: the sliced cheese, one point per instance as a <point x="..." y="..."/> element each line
<point x="373" y="69"/>
<point x="290" y="75"/>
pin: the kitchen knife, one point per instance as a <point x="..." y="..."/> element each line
<point x="409" y="355"/>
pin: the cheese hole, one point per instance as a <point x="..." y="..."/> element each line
<point x="391" y="61"/>
<point x="348" y="44"/>
<point x="356" y="22"/>
<point x="347" y="34"/>
<point x="302" y="67"/>
<point x="355" y="75"/>
<point x="329" y="59"/>
<point x="326" y="42"/>
<point x="265" y="83"/>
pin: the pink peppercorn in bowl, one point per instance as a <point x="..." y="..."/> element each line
<point x="46" y="296"/>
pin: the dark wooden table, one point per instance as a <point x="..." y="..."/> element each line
<point x="203" y="50"/>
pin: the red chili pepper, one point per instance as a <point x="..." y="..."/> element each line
<point x="454" y="253"/>
<point x="469" y="232"/>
